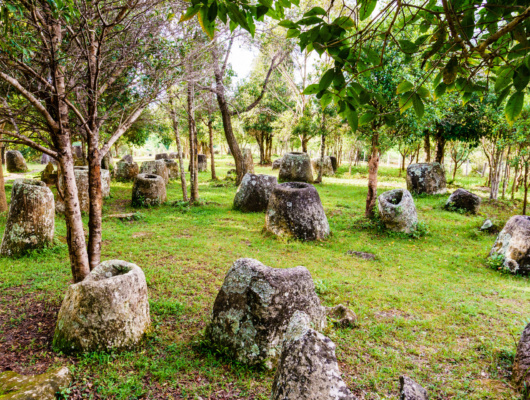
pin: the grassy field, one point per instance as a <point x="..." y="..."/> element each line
<point x="427" y="307"/>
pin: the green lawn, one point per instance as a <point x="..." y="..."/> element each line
<point x="427" y="307"/>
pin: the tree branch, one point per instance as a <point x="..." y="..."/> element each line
<point x="28" y="142"/>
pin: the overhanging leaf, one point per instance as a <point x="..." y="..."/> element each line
<point x="404" y="86"/>
<point x="514" y="106"/>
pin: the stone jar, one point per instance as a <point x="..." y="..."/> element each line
<point x="49" y="175"/>
<point x="203" y="162"/>
<point x="157" y="167"/>
<point x="128" y="158"/>
<point x="161" y="156"/>
<point x="248" y="161"/>
<point x="148" y="190"/>
<point x="397" y="210"/>
<point x="334" y="163"/>
<point x="521" y="364"/>
<point x="254" y="306"/>
<point x="34" y="387"/>
<point x="463" y="200"/>
<point x="15" y="161"/>
<point x="126" y="171"/>
<point x="295" y="210"/>
<point x="327" y="169"/>
<point x="254" y="192"/>
<point x="108" y="310"/>
<point x="296" y="167"/>
<point x="513" y="243"/>
<point x="276" y="163"/>
<point x="31" y="220"/>
<point x="172" y="168"/>
<point x="426" y="178"/>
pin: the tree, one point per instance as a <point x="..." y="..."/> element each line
<point x="73" y="69"/>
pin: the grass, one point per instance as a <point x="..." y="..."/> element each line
<point x="429" y="307"/>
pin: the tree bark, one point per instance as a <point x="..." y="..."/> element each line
<point x="525" y="200"/>
<point x="427" y="146"/>
<point x="96" y="202"/>
<point x="373" y="166"/>
<point x="179" y="150"/>
<point x="194" y="170"/>
<point x="322" y="152"/>
<point x="3" y="198"/>
<point x="212" y="156"/>
<point x="440" y="148"/>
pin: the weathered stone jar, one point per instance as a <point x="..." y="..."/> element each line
<point x="254" y="306"/>
<point x="334" y="163"/>
<point x="521" y="365"/>
<point x="148" y="190"/>
<point x="172" y="168"/>
<point x="126" y="171"/>
<point x="461" y="199"/>
<point x="426" y="178"/>
<point x="296" y="167"/>
<point x="31" y="219"/>
<point x="157" y="167"/>
<point x="108" y="310"/>
<point x="276" y="163"/>
<point x="327" y="167"/>
<point x="295" y="210"/>
<point x="203" y="162"/>
<point x="397" y="210"/>
<point x="513" y="243"/>
<point x="15" y="161"/>
<point x="161" y="156"/>
<point x="254" y="192"/>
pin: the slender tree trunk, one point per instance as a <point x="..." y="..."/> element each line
<point x="96" y="202"/>
<point x="515" y="178"/>
<point x="373" y="166"/>
<point x="440" y="148"/>
<point x="212" y="156"/>
<point x="179" y="150"/>
<point x="226" y="118"/>
<point x="304" y="144"/>
<point x="3" y="198"/>
<point x="525" y="200"/>
<point x="322" y="152"/>
<point x="427" y="146"/>
<point x="194" y="175"/>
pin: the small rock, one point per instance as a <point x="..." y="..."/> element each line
<point x="410" y="390"/>
<point x="461" y="199"/>
<point x="361" y="254"/>
<point x="308" y="368"/>
<point x="521" y="364"/>
<point x="513" y="242"/>
<point x="254" y="306"/>
<point x="15" y="161"/>
<point x="342" y="316"/>
<point x="397" y="210"/>
<point x="14" y="386"/>
<point x="486" y="225"/>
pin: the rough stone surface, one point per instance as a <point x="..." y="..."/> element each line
<point x="397" y="210"/>
<point x="334" y="163"/>
<point x="31" y="220"/>
<point x="461" y="199"/>
<point x="157" y="167"/>
<point x="248" y="161"/>
<point x="77" y="151"/>
<point x="276" y="164"/>
<point x="109" y="309"/>
<point x="81" y="181"/>
<point x="14" y="386"/>
<point x="173" y="156"/>
<point x="48" y="175"/>
<point x="254" y="192"/>
<point x="361" y="254"/>
<point x="161" y="156"/>
<point x="203" y="162"/>
<point x="427" y="178"/>
<point x="328" y="167"/>
<point x="128" y="158"/>
<point x="410" y="390"/>
<point x="231" y="174"/>
<point x="45" y="159"/>
<point x="253" y="308"/>
<point x="295" y="210"/>
<point x="148" y="190"/>
<point x="486" y="225"/>
<point x="521" y="364"/>
<point x="108" y="162"/>
<point x="126" y="171"/>
<point x="172" y="168"/>
<point x="308" y="368"/>
<point x="342" y="316"/>
<point x="513" y="242"/>
<point x="296" y="167"/>
<point x="15" y="161"/>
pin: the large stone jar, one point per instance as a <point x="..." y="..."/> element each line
<point x="513" y="243"/>
<point x="296" y="167"/>
<point x="521" y="364"/>
<point x="81" y="181"/>
<point x="334" y="163"/>
<point x="397" y="210"/>
<point x="148" y="190"/>
<point x="126" y="171"/>
<point x="254" y="192"/>
<point x="295" y="210"/>
<point x="157" y="167"/>
<point x="172" y="168"/>
<point x="108" y="310"/>
<point x="203" y="162"/>
<point x="161" y="156"/>
<point x="426" y="178"/>
<point x="253" y="308"/>
<point x="327" y="167"/>
<point x="31" y="219"/>
<point x="15" y="161"/>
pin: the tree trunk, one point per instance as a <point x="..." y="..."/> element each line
<point x="427" y="146"/>
<point x="212" y="156"/>
<point x="179" y="150"/>
<point x="3" y="198"/>
<point x="322" y="152"/>
<point x="515" y="178"/>
<point x="194" y="167"/>
<point x="96" y="202"/>
<point x="440" y="148"/>
<point x="226" y="118"/>
<point x="525" y="200"/>
<point x="495" y="174"/>
<point x="373" y="166"/>
<point x="304" y="144"/>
